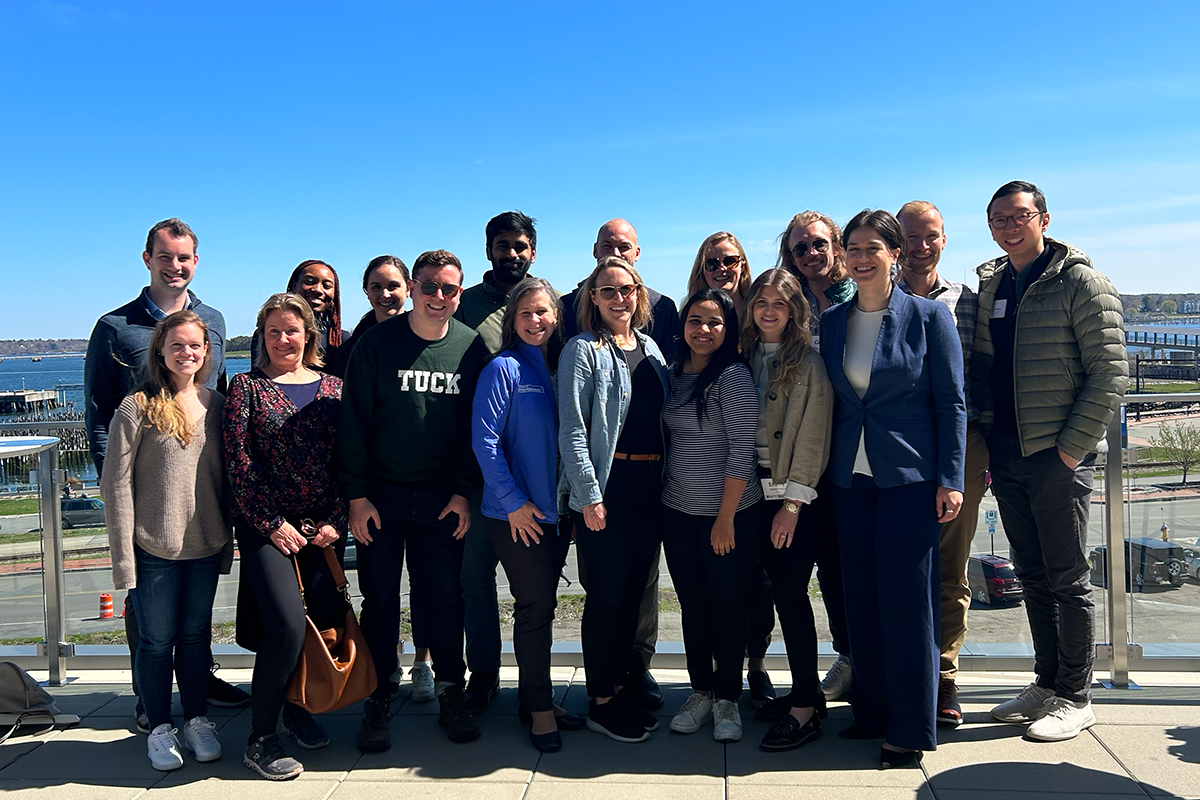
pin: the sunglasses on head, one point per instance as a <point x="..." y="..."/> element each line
<point x="728" y="262"/>
<point x="431" y="288"/>
<point x="609" y="292"/>
<point x="817" y="246"/>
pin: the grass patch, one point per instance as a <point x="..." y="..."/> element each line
<point x="35" y="536"/>
<point x="18" y="505"/>
<point x="222" y="633"/>
<point x="1167" y="388"/>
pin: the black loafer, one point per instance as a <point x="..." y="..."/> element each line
<point x="893" y="759"/>
<point x="547" y="742"/>
<point x="481" y="690"/>
<point x="788" y="734"/>
<point x="762" y="691"/>
<point x="777" y="709"/>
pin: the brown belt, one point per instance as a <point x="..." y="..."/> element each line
<point x="637" y="456"/>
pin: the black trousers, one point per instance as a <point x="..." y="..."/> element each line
<point x="713" y="591"/>
<point x="280" y="618"/>
<point x="533" y="574"/>
<point x="790" y="569"/>
<point x="760" y="614"/>
<point x="410" y="519"/>
<point x="618" y="561"/>
<point x="828" y="556"/>
<point x="1045" y="505"/>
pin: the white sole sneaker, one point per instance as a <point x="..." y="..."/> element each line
<point x="1063" y="720"/>
<point x="693" y="715"/>
<point x="163" y="748"/>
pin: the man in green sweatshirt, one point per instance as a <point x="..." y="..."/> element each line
<point x="407" y="468"/>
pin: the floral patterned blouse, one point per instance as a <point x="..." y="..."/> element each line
<point x="279" y="458"/>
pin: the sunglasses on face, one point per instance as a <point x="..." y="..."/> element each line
<point x="431" y="288"/>
<point x="609" y="292"/>
<point x="728" y="262"/>
<point x="817" y="246"/>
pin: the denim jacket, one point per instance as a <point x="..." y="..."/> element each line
<point x="594" y="387"/>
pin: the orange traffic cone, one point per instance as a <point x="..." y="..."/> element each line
<point x="106" y="608"/>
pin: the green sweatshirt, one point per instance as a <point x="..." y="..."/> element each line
<point x="406" y="409"/>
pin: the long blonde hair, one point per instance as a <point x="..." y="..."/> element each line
<point x="155" y="396"/>
<point x="797" y="339"/>
<point x="587" y="314"/>
<point x="696" y="280"/>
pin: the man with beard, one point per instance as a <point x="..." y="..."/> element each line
<point x="924" y="239"/>
<point x="511" y="250"/>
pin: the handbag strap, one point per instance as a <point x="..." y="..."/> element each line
<point x="339" y="576"/>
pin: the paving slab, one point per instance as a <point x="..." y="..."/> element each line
<point x="100" y="752"/>
<point x="39" y="790"/>
<point x="305" y="787"/>
<point x="755" y="791"/>
<point x="1166" y="760"/>
<point x="558" y="790"/>
<point x="429" y="790"/>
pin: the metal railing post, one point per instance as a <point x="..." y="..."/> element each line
<point x="52" y="564"/>
<point x="1114" y="537"/>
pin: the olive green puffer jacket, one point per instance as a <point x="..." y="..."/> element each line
<point x="1069" y="364"/>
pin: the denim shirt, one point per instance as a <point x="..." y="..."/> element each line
<point x="594" y="388"/>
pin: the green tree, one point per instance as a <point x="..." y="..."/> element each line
<point x="1146" y="303"/>
<point x="1129" y="312"/>
<point x="1169" y="306"/>
<point x="1181" y="444"/>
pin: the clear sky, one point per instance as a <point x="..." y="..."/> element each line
<point x="287" y="131"/>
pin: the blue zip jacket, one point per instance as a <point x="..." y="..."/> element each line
<point x="514" y="431"/>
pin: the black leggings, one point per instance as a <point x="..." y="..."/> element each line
<point x="533" y="573"/>
<point x="272" y="580"/>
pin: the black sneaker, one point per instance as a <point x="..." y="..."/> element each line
<point x="482" y="689"/>
<point x="225" y="695"/>
<point x="140" y="719"/>
<point x="761" y="689"/>
<point x="266" y="756"/>
<point x="374" y="735"/>
<point x="613" y="720"/>
<point x="631" y="703"/>
<point x="644" y="691"/>
<point x="301" y="726"/>
<point x="788" y="734"/>
<point x="456" y="717"/>
<point x="949" y="711"/>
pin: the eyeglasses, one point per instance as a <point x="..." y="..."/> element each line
<point x="817" y="246"/>
<point x="609" y="292"/>
<point x="431" y="288"/>
<point x="1000" y="222"/>
<point x="728" y="262"/>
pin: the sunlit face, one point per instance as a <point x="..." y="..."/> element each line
<point x="617" y="238"/>
<point x="1023" y="242"/>
<point x="185" y="350"/>
<point x="284" y="338"/>
<point x="724" y="277"/>
<point x="172" y="264"/>
<point x="386" y="290"/>
<point x="316" y="285"/>
<point x="536" y="318"/>
<point x="772" y="312"/>
<point x="869" y="258"/>
<point x="436" y="308"/>
<point x="704" y="328"/>
<point x="617" y="311"/>
<point x="816" y="263"/>
<point x="511" y="255"/>
<point x="924" y="238"/>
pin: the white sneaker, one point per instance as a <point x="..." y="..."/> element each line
<point x="692" y="715"/>
<point x="421" y="675"/>
<point x="163" y="748"/>
<point x="836" y="682"/>
<point x="200" y="736"/>
<point x="727" y="721"/>
<point x="1029" y="705"/>
<point x="1063" y="719"/>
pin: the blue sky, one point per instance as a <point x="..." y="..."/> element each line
<point x="286" y="131"/>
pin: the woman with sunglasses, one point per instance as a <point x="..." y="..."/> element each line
<point x="721" y="264"/>
<point x="711" y="495"/>
<point x="792" y="448"/>
<point x="515" y="437"/>
<point x="810" y="248"/>
<point x="280" y="427"/>
<point x="611" y="389"/>
<point x="896" y="464"/>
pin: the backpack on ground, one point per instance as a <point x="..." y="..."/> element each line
<point x="24" y="702"/>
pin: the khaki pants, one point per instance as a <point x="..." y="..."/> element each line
<point x="955" y="548"/>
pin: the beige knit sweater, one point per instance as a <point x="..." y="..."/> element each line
<point x="161" y="495"/>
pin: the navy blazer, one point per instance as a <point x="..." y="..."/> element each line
<point x="913" y="413"/>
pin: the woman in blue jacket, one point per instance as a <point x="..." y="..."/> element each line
<point x="515" y="437"/>
<point x="896" y="464"/>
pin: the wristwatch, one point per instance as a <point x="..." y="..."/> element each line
<point x="791" y="506"/>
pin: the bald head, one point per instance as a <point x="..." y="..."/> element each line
<point x="617" y="238"/>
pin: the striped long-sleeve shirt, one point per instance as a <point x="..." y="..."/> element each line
<point x="702" y="452"/>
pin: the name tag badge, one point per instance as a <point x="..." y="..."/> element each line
<point x="772" y="490"/>
<point x="999" y="309"/>
<point x="526" y="388"/>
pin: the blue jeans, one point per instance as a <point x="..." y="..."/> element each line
<point x="173" y="602"/>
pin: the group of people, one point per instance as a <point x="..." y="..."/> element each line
<point x="849" y="399"/>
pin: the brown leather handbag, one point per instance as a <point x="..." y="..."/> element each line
<point x="335" y="667"/>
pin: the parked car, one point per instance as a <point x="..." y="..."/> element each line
<point x="1148" y="562"/>
<point x="1192" y="554"/>
<point x="993" y="580"/>
<point x="82" y="512"/>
